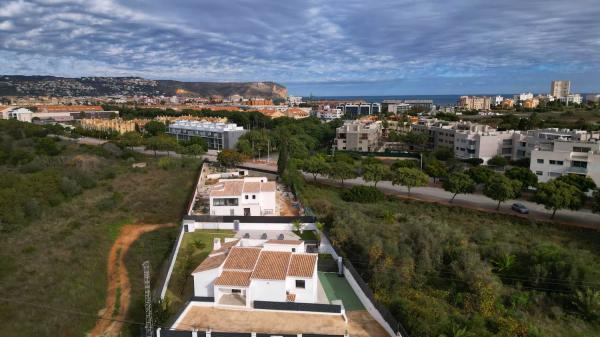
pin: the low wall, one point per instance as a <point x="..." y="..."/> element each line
<point x="293" y="306"/>
<point x="247" y="223"/>
<point x="172" y="260"/>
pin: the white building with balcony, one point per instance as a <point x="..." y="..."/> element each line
<point x="249" y="196"/>
<point x="565" y="157"/>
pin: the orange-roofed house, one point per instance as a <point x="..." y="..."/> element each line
<point x="249" y="196"/>
<point x="239" y="272"/>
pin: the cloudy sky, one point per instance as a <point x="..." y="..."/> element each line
<point x="328" y="47"/>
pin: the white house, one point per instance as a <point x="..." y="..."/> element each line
<point x="567" y="157"/>
<point x="235" y="274"/>
<point x="249" y="196"/>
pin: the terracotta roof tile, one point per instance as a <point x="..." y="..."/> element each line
<point x="268" y="186"/>
<point x="234" y="278"/>
<point x="242" y="258"/>
<point x="271" y="265"/>
<point x="302" y="265"/>
<point x="227" y="188"/>
<point x="210" y="262"/>
<point x="252" y="187"/>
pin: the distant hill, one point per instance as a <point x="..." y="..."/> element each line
<point x="16" y="85"/>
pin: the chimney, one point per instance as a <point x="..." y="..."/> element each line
<point x="216" y="243"/>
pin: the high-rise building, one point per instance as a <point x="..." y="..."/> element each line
<point x="560" y="88"/>
<point x="474" y="102"/>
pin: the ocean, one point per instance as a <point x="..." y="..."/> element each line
<point x="441" y="100"/>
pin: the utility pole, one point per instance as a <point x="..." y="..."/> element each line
<point x="268" y="150"/>
<point x="147" y="298"/>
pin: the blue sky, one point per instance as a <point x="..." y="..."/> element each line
<point x="338" y="47"/>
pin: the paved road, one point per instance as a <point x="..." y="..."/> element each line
<point x="581" y="218"/>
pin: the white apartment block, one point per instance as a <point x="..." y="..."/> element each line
<point x="497" y="100"/>
<point x="358" y="136"/>
<point x="572" y="98"/>
<point x="523" y="96"/>
<point x="249" y="196"/>
<point x="567" y="157"/>
<point x="240" y="272"/>
<point x="328" y="114"/>
<point x="472" y="140"/>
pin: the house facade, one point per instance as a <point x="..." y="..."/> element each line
<point x="249" y="196"/>
<point x="239" y="272"/>
<point x="567" y="157"/>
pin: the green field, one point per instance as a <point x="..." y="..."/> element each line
<point x="53" y="256"/>
<point x="455" y="272"/>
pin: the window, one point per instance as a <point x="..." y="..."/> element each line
<point x="225" y="202"/>
<point x="300" y="284"/>
<point x="582" y="164"/>
<point x="507" y="142"/>
<point x="556" y="162"/>
<point x="581" y="149"/>
<point x="293" y="250"/>
<point x="540" y="161"/>
<point x="236" y="291"/>
<point x="539" y="173"/>
<point x="246" y="196"/>
<point x="253" y="196"/>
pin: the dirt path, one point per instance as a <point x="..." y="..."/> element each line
<point x="118" y="281"/>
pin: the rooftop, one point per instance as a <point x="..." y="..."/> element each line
<point x="237" y="187"/>
<point x="272" y="265"/>
<point x="242" y="258"/>
<point x="205" y="126"/>
<point x="233" y="278"/>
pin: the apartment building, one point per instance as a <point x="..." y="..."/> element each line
<point x="572" y="98"/>
<point x="522" y="97"/>
<point x="327" y="114"/>
<point x="530" y="103"/>
<point x="360" y="109"/>
<point x="218" y="136"/>
<point x="592" y="98"/>
<point x="359" y="136"/>
<point x="249" y="196"/>
<point x="567" y="157"/>
<point x="475" y="102"/>
<point x="560" y="89"/>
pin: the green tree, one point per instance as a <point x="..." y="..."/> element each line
<point x="556" y="194"/>
<point x="155" y="128"/>
<point x="498" y="161"/>
<point x="583" y="183"/>
<point x="194" y="150"/>
<point x="500" y="188"/>
<point x="375" y="173"/>
<point x="342" y="171"/>
<point x="409" y="177"/>
<point x="524" y="175"/>
<point x="282" y="159"/>
<point x="459" y="183"/>
<point x="131" y="139"/>
<point x="436" y="169"/>
<point x="315" y="165"/>
<point x="596" y="201"/>
<point x="47" y="146"/>
<point x="480" y="174"/>
<point x="230" y="158"/>
<point x="588" y="303"/>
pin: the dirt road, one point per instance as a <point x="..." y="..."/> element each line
<point x="119" y="288"/>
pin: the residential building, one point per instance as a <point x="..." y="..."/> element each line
<point x="530" y="103"/>
<point x="327" y="114"/>
<point x="294" y="100"/>
<point x="240" y="272"/>
<point x="58" y="113"/>
<point x="572" y="98"/>
<point x="358" y="136"/>
<point x="560" y="89"/>
<point x="474" y="102"/>
<point x="507" y="103"/>
<point x="248" y="196"/>
<point x="360" y="109"/>
<point x="567" y="157"/>
<point x="117" y="124"/>
<point x="497" y="100"/>
<point x="218" y="136"/>
<point x="592" y="98"/>
<point x="520" y="98"/>
<point x="20" y="114"/>
<point x="425" y="104"/>
<point x="398" y="108"/>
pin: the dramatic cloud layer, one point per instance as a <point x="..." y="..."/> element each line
<point x="324" y="47"/>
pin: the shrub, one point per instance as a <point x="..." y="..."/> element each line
<point x="167" y="163"/>
<point x="363" y="194"/>
<point x="69" y="187"/>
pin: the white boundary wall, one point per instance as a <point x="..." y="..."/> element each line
<point x="163" y="291"/>
<point x="368" y="304"/>
<point x="246" y="226"/>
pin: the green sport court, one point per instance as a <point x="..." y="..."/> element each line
<point x="337" y="288"/>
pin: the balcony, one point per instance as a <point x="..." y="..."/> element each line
<point x="577" y="170"/>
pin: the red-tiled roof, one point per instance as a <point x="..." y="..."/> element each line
<point x="210" y="262"/>
<point x="234" y="278"/>
<point x="242" y="258"/>
<point x="271" y="265"/>
<point x="302" y="265"/>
